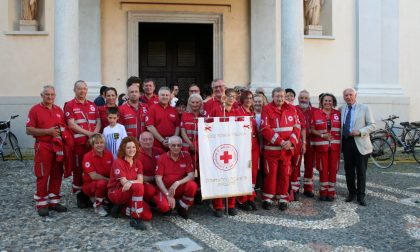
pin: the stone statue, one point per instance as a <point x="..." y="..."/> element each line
<point x="29" y="9"/>
<point x="312" y="10"/>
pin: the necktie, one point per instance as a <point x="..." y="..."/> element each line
<point x="346" y="126"/>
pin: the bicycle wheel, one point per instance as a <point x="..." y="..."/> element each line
<point x="14" y="144"/>
<point x="382" y="154"/>
<point x="386" y="136"/>
<point x="416" y="150"/>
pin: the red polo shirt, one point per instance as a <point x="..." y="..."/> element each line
<point x="149" y="162"/>
<point x="92" y="162"/>
<point x="122" y="169"/>
<point x="153" y="100"/>
<point x="41" y="117"/>
<point x="171" y="170"/>
<point x="165" y="120"/>
<point x="209" y="105"/>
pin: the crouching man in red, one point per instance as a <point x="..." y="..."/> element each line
<point x="175" y="179"/>
<point x="96" y="169"/>
<point x="43" y="124"/>
<point x="148" y="156"/>
<point x="125" y="185"/>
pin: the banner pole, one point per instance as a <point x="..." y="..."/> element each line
<point x="227" y="206"/>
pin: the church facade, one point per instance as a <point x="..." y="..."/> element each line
<point x="369" y="45"/>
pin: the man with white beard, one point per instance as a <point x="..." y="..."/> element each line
<point x="309" y="156"/>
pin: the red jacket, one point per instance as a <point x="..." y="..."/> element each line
<point x="67" y="148"/>
<point x="277" y="126"/>
<point x="133" y="119"/>
<point x="319" y="123"/>
<point x="84" y="114"/>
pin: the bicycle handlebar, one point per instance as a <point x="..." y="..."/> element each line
<point x="391" y="118"/>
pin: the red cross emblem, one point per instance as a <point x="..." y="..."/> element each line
<point x="226" y="157"/>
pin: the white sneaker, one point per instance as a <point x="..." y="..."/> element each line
<point x="101" y="211"/>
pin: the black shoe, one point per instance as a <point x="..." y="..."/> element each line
<point x="252" y="205"/>
<point x="83" y="201"/>
<point x="218" y="213"/>
<point x="115" y="211"/>
<point x="232" y="211"/>
<point x="323" y="198"/>
<point x="362" y="202"/>
<point x="282" y="206"/>
<point x="350" y="198"/>
<point x="266" y="205"/>
<point x="198" y="200"/>
<point x="183" y="212"/>
<point x="167" y="213"/>
<point x="330" y="198"/>
<point x="137" y="224"/>
<point x="296" y="196"/>
<point x="244" y="206"/>
<point x="58" y="208"/>
<point x="43" y="212"/>
<point x="309" y="194"/>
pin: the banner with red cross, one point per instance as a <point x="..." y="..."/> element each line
<point x="225" y="157"/>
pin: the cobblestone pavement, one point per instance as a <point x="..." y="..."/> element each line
<point x="390" y="222"/>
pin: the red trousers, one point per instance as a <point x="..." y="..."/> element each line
<point x="255" y="159"/>
<point x="133" y="199"/>
<point x="276" y="177"/>
<point x="309" y="162"/>
<point x="150" y="190"/>
<point x="184" y="193"/>
<point x="97" y="189"/>
<point x="79" y="152"/>
<point x="295" y="163"/>
<point x="49" y="174"/>
<point x="327" y="163"/>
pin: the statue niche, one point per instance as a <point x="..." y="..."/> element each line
<point x="312" y="12"/>
<point x="28" y="20"/>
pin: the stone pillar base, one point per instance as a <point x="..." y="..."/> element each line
<point x="28" y="25"/>
<point x="313" y="30"/>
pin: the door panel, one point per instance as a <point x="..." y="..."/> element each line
<point x="176" y="53"/>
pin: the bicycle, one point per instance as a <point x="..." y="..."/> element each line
<point x="407" y="139"/>
<point x="382" y="154"/>
<point x="12" y="146"/>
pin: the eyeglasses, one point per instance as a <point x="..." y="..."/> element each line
<point x="193" y="91"/>
<point x="231" y="96"/>
<point x="176" y="145"/>
<point x="215" y="87"/>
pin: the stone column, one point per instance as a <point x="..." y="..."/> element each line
<point x="265" y="44"/>
<point x="292" y="44"/>
<point x="66" y="48"/>
<point x="90" y="45"/>
<point x="378" y="48"/>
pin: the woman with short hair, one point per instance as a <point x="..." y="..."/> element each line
<point x="326" y="138"/>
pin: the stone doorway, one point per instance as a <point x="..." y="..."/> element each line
<point x="137" y="18"/>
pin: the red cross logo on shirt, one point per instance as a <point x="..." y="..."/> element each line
<point x="226" y="157"/>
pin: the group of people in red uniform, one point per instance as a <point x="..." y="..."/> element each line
<point x="156" y="165"/>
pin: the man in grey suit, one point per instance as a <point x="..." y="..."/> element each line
<point x="357" y="124"/>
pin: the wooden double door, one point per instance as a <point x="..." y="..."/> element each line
<point x="172" y="53"/>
